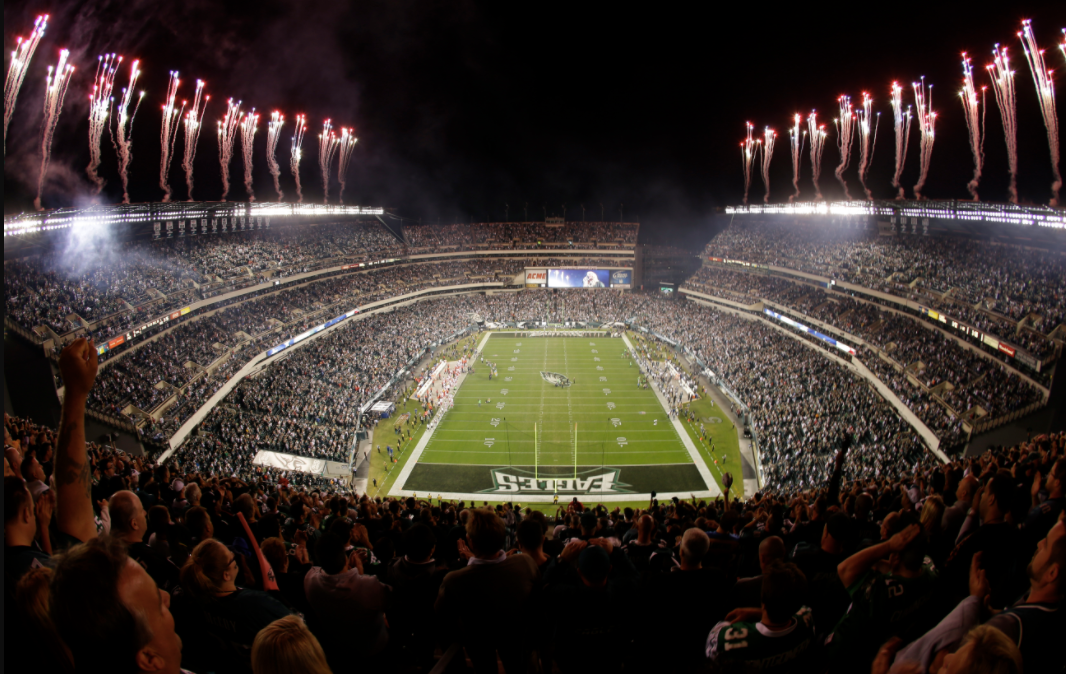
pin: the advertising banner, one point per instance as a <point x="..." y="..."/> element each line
<point x="578" y="278"/>
<point x="622" y="278"/>
<point x="536" y="278"/>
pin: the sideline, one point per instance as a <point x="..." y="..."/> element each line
<point x="713" y="490"/>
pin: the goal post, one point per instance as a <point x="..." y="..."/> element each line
<point x="575" y="450"/>
<point x="536" y="454"/>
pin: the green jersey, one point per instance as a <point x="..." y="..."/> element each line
<point x="753" y="647"/>
<point x="882" y="605"/>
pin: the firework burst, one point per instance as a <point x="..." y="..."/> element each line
<point x="16" y="72"/>
<point x="767" y="153"/>
<point x="168" y="132"/>
<point x="297" y="154"/>
<point x="796" y="137"/>
<point x="975" y="123"/>
<point x="923" y="98"/>
<point x="273" y="133"/>
<point x="193" y="122"/>
<point x="748" y="150"/>
<point x="867" y="141"/>
<point x="227" y="134"/>
<point x="56" y="85"/>
<point x="818" y="136"/>
<point x="327" y="147"/>
<point x="845" y="125"/>
<point x="901" y="119"/>
<point x="345" y="147"/>
<point x="99" y="110"/>
<point x="123" y="128"/>
<point x="248" y="128"/>
<point x="1045" y="91"/>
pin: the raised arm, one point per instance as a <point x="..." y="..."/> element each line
<point x="73" y="473"/>
<point x="852" y="568"/>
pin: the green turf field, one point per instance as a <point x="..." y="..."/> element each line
<point x="518" y="434"/>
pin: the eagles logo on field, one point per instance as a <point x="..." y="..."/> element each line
<point x="589" y="481"/>
<point x="555" y="379"/>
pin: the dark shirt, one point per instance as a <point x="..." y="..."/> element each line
<point x="18" y="560"/>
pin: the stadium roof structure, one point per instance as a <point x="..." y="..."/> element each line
<point x="954" y="215"/>
<point x="180" y="211"/>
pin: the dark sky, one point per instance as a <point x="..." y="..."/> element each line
<point x="463" y="107"/>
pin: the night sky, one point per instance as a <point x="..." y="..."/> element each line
<point x="464" y="107"/>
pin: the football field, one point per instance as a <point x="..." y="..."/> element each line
<point x="562" y="416"/>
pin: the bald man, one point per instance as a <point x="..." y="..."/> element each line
<point x="955" y="515"/>
<point x="129" y="523"/>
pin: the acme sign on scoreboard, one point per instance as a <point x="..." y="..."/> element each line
<point x="536" y="277"/>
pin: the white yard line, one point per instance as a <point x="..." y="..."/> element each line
<point x="694" y="453"/>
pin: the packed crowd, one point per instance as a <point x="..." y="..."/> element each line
<point x="1010" y="280"/>
<point x="116" y="564"/>
<point x="974" y="380"/>
<point x="500" y="235"/>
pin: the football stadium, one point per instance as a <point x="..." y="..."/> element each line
<point x="364" y="416"/>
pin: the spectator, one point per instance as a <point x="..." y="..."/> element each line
<point x="347" y="606"/>
<point x="827" y="595"/>
<point x="777" y="637"/>
<point x="25" y="533"/>
<point x="286" y="646"/>
<point x="230" y="616"/>
<point x="491" y="584"/>
<point x="530" y="535"/>
<point x="110" y="613"/>
<point x="129" y="523"/>
<point x="415" y="577"/>
<point x="986" y="649"/>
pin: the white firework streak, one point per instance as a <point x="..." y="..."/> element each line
<point x="818" y="136"/>
<point x="1045" y="90"/>
<point x="227" y="133"/>
<point x="55" y="90"/>
<point x="845" y="125"/>
<point x="297" y="154"/>
<point x="273" y="133"/>
<point x="902" y="123"/>
<point x="796" y="137"/>
<point x="16" y="72"/>
<point x="345" y="147"/>
<point x="248" y="129"/>
<point x="194" y="119"/>
<point x="867" y="142"/>
<point x="1003" y="87"/>
<point x="99" y="110"/>
<point x="923" y="99"/>
<point x="748" y="149"/>
<point x="767" y="154"/>
<point x="975" y="123"/>
<point x="168" y="133"/>
<point x="327" y="146"/>
<point x="123" y="127"/>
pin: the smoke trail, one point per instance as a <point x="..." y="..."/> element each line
<point x="346" y="146"/>
<point x="795" y="139"/>
<point x="248" y="129"/>
<point x="902" y="123"/>
<point x="193" y="122"/>
<point x="168" y="133"/>
<point x="867" y="143"/>
<point x="975" y="123"/>
<point x="297" y="154"/>
<point x="767" y="154"/>
<point x="926" y="124"/>
<point x="327" y="146"/>
<point x="99" y="110"/>
<point x="227" y="133"/>
<point x="1045" y="90"/>
<point x="55" y="90"/>
<point x="273" y="133"/>
<point x="818" y="136"/>
<point x="845" y="137"/>
<point x="120" y="132"/>
<point x="16" y="73"/>
<point x="1003" y="87"/>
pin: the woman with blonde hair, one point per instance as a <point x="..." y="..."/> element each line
<point x="232" y="615"/>
<point x="931" y="516"/>
<point x="286" y="646"/>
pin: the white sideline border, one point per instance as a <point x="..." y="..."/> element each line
<point x="405" y="472"/>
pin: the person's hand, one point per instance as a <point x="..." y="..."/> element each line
<point x="78" y="365"/>
<point x="743" y="615"/>
<point x="573" y="549"/>
<point x="102" y="504"/>
<point x="901" y="540"/>
<point x="604" y="543"/>
<point x="300" y="537"/>
<point x="45" y="505"/>
<point x="979" y="585"/>
<point x="885" y="656"/>
<point x="357" y="559"/>
<point x="464" y="551"/>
